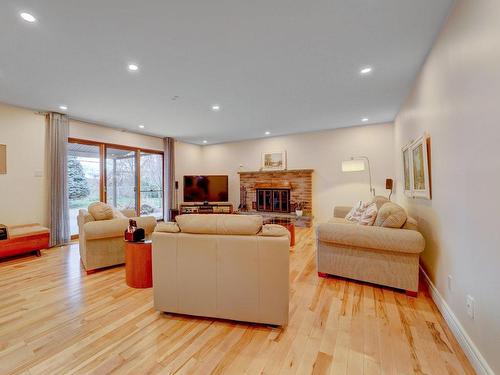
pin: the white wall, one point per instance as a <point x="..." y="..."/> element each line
<point x="456" y="100"/>
<point x="23" y="196"/>
<point x="321" y="151"/>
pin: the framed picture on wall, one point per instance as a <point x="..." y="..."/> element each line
<point x="3" y="159"/>
<point x="416" y="175"/>
<point x="420" y="169"/>
<point x="273" y="161"/>
<point x="407" y="170"/>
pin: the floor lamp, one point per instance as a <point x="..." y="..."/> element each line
<point x="357" y="164"/>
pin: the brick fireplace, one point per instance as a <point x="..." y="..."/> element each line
<point x="276" y="192"/>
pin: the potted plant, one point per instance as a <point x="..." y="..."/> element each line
<point x="299" y="206"/>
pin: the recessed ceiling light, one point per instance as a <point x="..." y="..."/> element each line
<point x="28" y="17"/>
<point x="366" y="70"/>
<point x="63" y="107"/>
<point x="133" y="67"/>
<point x="141" y="126"/>
<point x="215" y="108"/>
<point x="364" y="119"/>
<point x="267" y="133"/>
<point x="205" y="141"/>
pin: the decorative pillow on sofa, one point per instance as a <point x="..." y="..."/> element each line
<point x="356" y="212"/>
<point x="391" y="215"/>
<point x="101" y="211"/>
<point x="379" y="200"/>
<point x="273" y="230"/>
<point x="369" y="215"/>
<point x="167" y="227"/>
<point x="117" y="214"/>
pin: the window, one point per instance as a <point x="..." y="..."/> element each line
<point x="124" y="177"/>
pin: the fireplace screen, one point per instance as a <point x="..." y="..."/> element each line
<point x="273" y="200"/>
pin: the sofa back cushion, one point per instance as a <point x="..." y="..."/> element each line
<point x="391" y="215"/>
<point x="101" y="211"/>
<point x="220" y="224"/>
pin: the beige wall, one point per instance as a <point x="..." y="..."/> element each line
<point x="85" y="130"/>
<point x="321" y="151"/>
<point x="23" y="190"/>
<point x="456" y="100"/>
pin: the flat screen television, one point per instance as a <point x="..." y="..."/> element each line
<point x="206" y="189"/>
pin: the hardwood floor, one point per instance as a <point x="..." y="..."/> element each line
<point x="54" y="319"/>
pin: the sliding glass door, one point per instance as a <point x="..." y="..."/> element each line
<point x="122" y="176"/>
<point x="151" y="182"/>
<point x="84" y="173"/>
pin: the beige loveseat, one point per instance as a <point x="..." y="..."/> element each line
<point x="376" y="254"/>
<point x="102" y="241"/>
<point x="222" y="266"/>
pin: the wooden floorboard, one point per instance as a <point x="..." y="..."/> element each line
<point x="55" y="319"/>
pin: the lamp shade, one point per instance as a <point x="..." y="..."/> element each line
<point x="355" y="165"/>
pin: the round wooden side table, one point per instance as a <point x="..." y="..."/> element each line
<point x="138" y="264"/>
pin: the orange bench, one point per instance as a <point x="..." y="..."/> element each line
<point x="24" y="239"/>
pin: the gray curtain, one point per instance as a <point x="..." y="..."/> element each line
<point x="57" y="147"/>
<point x="169" y="168"/>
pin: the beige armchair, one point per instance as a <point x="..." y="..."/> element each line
<point x="101" y="241"/>
<point x="375" y="254"/>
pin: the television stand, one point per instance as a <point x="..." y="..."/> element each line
<point x="210" y="208"/>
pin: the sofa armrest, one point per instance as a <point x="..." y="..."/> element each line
<point x="341" y="211"/>
<point x="95" y="230"/>
<point x="370" y="237"/>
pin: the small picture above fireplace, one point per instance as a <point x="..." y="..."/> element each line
<point x="273" y="161"/>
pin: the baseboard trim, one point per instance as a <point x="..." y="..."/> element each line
<point x="471" y="351"/>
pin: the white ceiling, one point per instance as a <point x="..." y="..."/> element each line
<point x="284" y="66"/>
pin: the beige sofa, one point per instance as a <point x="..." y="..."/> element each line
<point x="222" y="266"/>
<point x="101" y="241"/>
<point x="381" y="255"/>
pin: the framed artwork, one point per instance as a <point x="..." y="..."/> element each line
<point x="3" y="159"/>
<point x="273" y="161"/>
<point x="407" y="170"/>
<point x="416" y="175"/>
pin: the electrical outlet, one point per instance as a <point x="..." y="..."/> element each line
<point x="469" y="304"/>
<point x="450" y="281"/>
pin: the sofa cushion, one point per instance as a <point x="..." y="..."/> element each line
<point x="379" y="200"/>
<point x="391" y="215"/>
<point x="274" y="230"/>
<point x="101" y="211"/>
<point x="220" y="224"/>
<point x="369" y="215"/>
<point x="167" y="227"/>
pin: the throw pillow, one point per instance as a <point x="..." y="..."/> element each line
<point x="369" y="215"/>
<point x="356" y="212"/>
<point x="167" y="227"/>
<point x="379" y="200"/>
<point x="117" y="214"/>
<point x="101" y="211"/>
<point x="391" y="215"/>
<point x="273" y="230"/>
